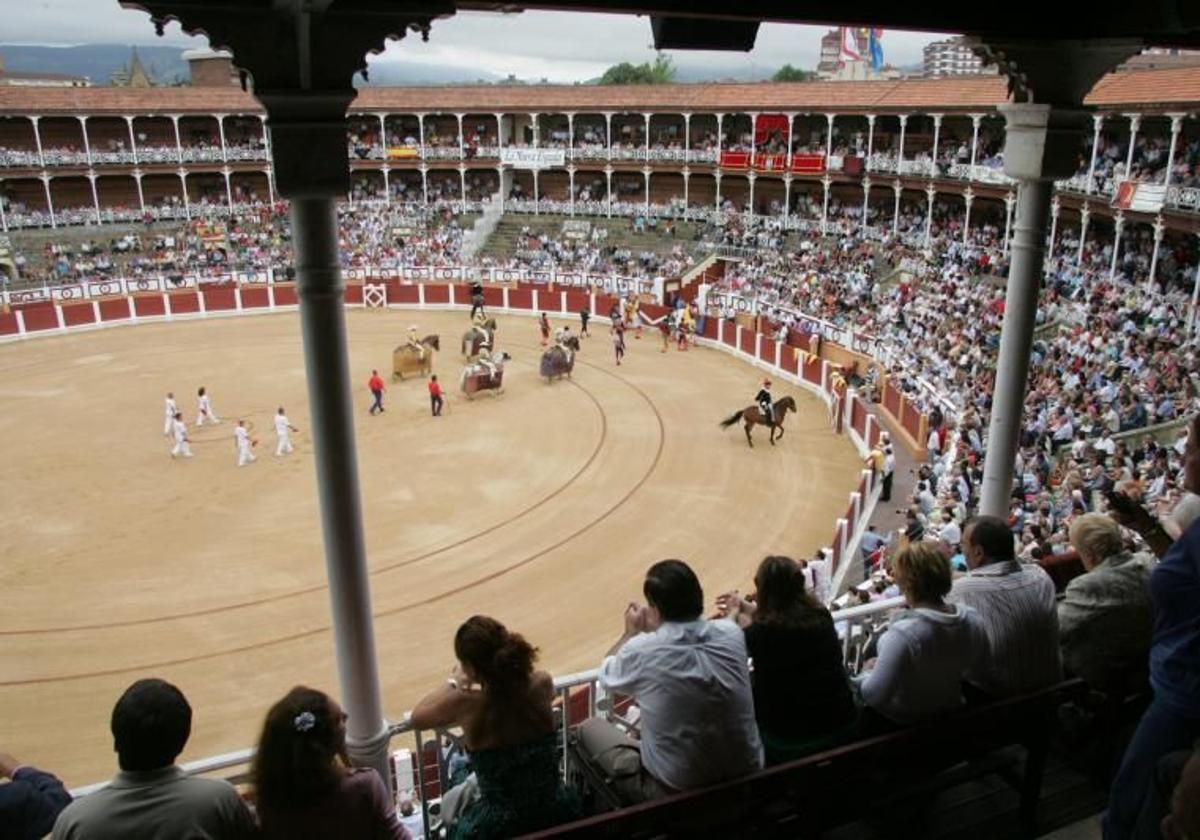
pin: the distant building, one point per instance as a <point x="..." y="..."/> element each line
<point x="132" y="75"/>
<point x="17" y="78"/>
<point x="831" y="62"/>
<point x="953" y="57"/>
<point x="211" y="68"/>
<point x="1162" y="58"/>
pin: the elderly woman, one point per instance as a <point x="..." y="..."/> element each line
<point x="304" y="786"/>
<point x="1104" y="618"/>
<point x="927" y="649"/>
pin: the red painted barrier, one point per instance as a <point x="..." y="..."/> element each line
<point x="812" y="370"/>
<point x="220" y="299"/>
<point x="396" y="293"/>
<point x="858" y="418"/>
<point x="75" y="314"/>
<point x="255" y="297"/>
<point x="114" y="309"/>
<point x="604" y="305"/>
<point x="462" y="293"/>
<point x="183" y="303"/>
<point x="149" y="306"/>
<point x="789" y="360"/>
<point x="747" y="345"/>
<point x="891" y="400"/>
<point x="437" y="294"/>
<point x="353" y="294"/>
<point x="911" y="421"/>
<point x="578" y="301"/>
<point x="39" y="316"/>
<point x="8" y="323"/>
<point x="710" y="327"/>
<point x="520" y="299"/>
<point x="493" y="296"/>
<point x="285" y="295"/>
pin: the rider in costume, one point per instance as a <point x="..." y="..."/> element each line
<point x="763" y="398"/>
<point x="415" y="342"/>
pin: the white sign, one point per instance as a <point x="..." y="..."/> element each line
<point x="533" y="158"/>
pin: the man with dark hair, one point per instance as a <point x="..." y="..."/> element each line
<point x="691" y="682"/>
<point x="1017" y="605"/>
<point x="151" y="798"/>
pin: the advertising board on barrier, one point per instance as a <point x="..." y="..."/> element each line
<point x="533" y="158"/>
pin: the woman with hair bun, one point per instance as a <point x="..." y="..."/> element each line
<point x="802" y="697"/>
<point x="504" y="708"/>
<point x="304" y="786"/>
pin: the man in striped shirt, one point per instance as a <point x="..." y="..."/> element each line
<point x="1017" y="605"/>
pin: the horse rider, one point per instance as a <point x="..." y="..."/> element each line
<point x="415" y="342"/>
<point x="765" y="403"/>
<point x="561" y="336"/>
<point x="476" y="299"/>
<point x="488" y="363"/>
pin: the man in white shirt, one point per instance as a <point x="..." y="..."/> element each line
<point x="170" y="411"/>
<point x="283" y="431"/>
<point x="691" y="681"/>
<point x="204" y="410"/>
<point x="241" y="436"/>
<point x="182" y="442"/>
<point x="1017" y="604"/>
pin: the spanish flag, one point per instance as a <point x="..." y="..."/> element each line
<point x="402" y="153"/>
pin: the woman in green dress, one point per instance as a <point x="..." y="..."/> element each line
<point x="504" y="708"/>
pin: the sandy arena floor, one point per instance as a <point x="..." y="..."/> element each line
<point x="542" y="507"/>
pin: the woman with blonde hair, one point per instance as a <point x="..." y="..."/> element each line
<point x="927" y="649"/>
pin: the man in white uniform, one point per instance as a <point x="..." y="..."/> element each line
<point x="205" y="410"/>
<point x="182" y="442"/>
<point x="171" y="411"/>
<point x="283" y="431"/>
<point x="241" y="436"/>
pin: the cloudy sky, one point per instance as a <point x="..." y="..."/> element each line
<point x="558" y="46"/>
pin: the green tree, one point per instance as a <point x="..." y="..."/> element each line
<point x="788" y="73"/>
<point x="661" y="72"/>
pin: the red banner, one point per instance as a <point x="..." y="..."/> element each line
<point x="770" y="163"/>
<point x="808" y="164"/>
<point x="767" y="124"/>
<point x="735" y="160"/>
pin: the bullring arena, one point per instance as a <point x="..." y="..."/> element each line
<point x="541" y="505"/>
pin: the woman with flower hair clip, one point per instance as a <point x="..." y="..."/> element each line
<point x="304" y="786"/>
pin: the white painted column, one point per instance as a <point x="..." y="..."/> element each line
<point x="787" y="195"/>
<point x="571" y="137"/>
<point x="571" y="189"/>
<point x="221" y="137"/>
<point x="1176" y="126"/>
<point x="969" y="199"/>
<point x="228" y="188"/>
<point x="897" y="188"/>
<point x="608" y="143"/>
<point x="976" y="119"/>
<point x="91" y="176"/>
<point x="750" y="179"/>
<point x="424" y="182"/>
<point x="137" y="177"/>
<point x="1097" y="124"/>
<point x="829" y="139"/>
<point x="646" y="145"/>
<point x="1084" y="214"/>
<point x="383" y="141"/>
<point x="535" y="129"/>
<point x="37" y="138"/>
<point x="717" y="181"/>
<point x="870" y="141"/>
<point x="462" y="183"/>
<point x="1135" y="120"/>
<point x="866" y="185"/>
<point x="179" y="142"/>
<point x="387" y="186"/>
<point x="686" y="178"/>
<point x="930" y="195"/>
<point x="720" y="140"/>
<point x="536" y="197"/>
<point x="1158" y="237"/>
<point x="1009" y="201"/>
<point x="462" y="152"/>
<point x="937" y="128"/>
<point x="45" y="176"/>
<point x="87" y="145"/>
<point x="187" y="202"/>
<point x="608" y="173"/>
<point x="826" y="182"/>
<point x="1055" y="207"/>
<point x="687" y="139"/>
<point x="421" y="134"/>
<point x="1119" y="222"/>
<point x="132" y="139"/>
<point x="900" y="148"/>
<point x="646" y="177"/>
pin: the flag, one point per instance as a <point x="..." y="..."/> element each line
<point x="875" y="48"/>
<point x="849" y="51"/>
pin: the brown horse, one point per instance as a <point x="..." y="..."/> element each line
<point x="753" y="415"/>
<point x="406" y="359"/>
<point x="474" y="338"/>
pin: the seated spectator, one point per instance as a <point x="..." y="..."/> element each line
<point x="925" y="651"/>
<point x="801" y="695"/>
<point x="304" y="785"/>
<point x="151" y="798"/>
<point x="1104" y="618"/>
<point x="691" y="682"/>
<point x="30" y="802"/>
<point x="1172" y="721"/>
<point x="504" y="708"/>
<point x="1016" y="603"/>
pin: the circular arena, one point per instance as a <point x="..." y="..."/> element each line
<point x="541" y="506"/>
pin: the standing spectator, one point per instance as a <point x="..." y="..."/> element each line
<point x="925" y="651"/>
<point x="304" y="785"/>
<point x="691" y="682"/>
<point x="802" y="699"/>
<point x="1017" y="605"/>
<point x="151" y="798"/>
<point x="1172" y="721"/>
<point x="504" y="708"/>
<point x="30" y="802"/>
<point x="1104" y="617"/>
<point x="889" y="470"/>
<point x="375" y="385"/>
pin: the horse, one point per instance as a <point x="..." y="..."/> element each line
<point x="752" y="415"/>
<point x="405" y="358"/>
<point x="475" y="337"/>
<point x="560" y="359"/>
<point x="477" y="376"/>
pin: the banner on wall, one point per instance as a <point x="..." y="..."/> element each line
<point x="533" y="158"/>
<point x="808" y="164"/>
<point x="403" y="153"/>
<point x="1140" y="198"/>
<point x="735" y="160"/>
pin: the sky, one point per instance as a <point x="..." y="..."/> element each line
<point x="562" y="47"/>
